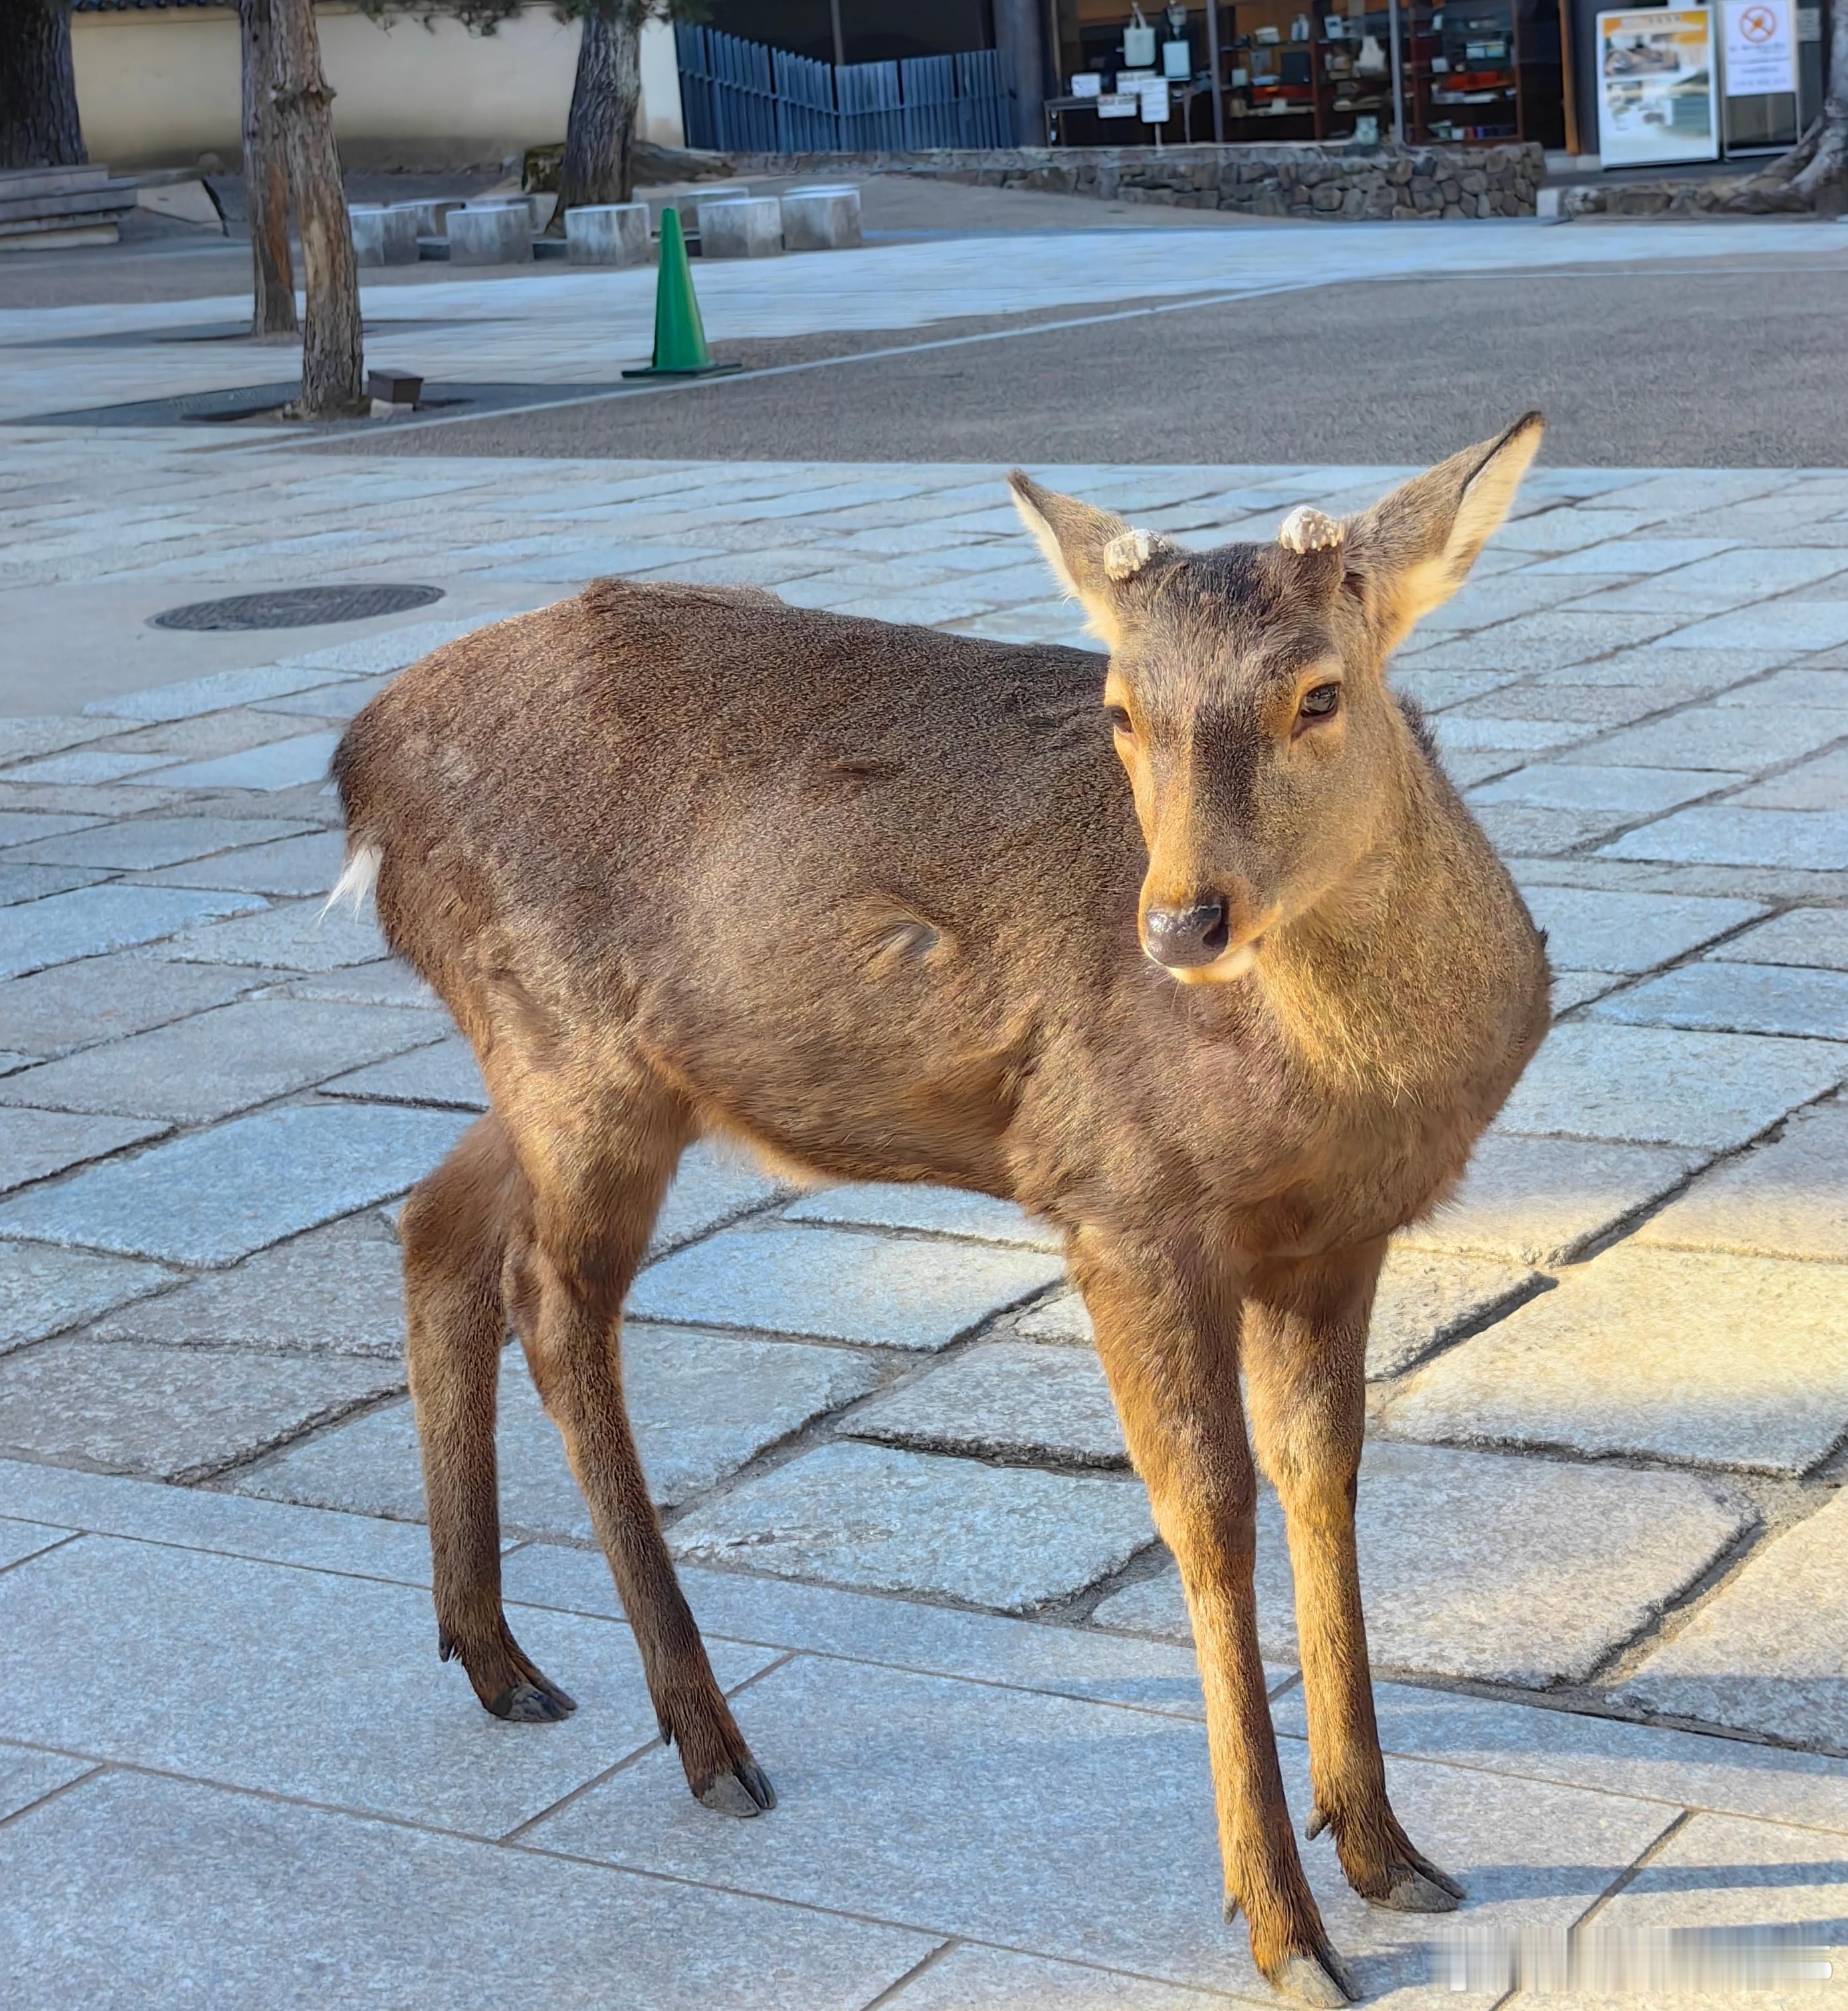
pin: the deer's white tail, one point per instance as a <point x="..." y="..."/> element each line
<point x="357" y="882"/>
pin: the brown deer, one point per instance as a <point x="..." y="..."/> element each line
<point x="875" y="900"/>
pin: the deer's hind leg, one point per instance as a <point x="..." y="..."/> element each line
<point x="1305" y="1339"/>
<point x="598" y="1157"/>
<point x="454" y="1233"/>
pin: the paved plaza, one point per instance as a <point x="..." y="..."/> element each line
<point x="1604" y="1545"/>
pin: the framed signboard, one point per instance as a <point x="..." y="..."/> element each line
<point x="1760" y="47"/>
<point x="1657" y="101"/>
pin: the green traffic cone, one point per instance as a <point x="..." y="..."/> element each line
<point x="680" y="347"/>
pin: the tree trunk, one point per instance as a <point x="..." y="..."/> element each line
<point x="600" y="136"/>
<point x="1814" y="174"/>
<point x="265" y="184"/>
<point x="331" y="366"/>
<point x="39" y="127"/>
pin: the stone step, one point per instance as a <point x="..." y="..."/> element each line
<point x="16" y="184"/>
<point x="54" y="229"/>
<point x="103" y="200"/>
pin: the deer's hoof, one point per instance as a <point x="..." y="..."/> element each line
<point x="1420" y="1888"/>
<point x="1319" y="1980"/>
<point x="744" y="1791"/>
<point x="540" y="1703"/>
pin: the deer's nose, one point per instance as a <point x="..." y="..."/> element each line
<point x="1181" y="936"/>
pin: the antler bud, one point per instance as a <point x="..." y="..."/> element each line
<point x="1307" y="530"/>
<point x="1126" y="556"/>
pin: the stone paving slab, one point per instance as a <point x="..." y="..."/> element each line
<point x="214" y="693"/>
<point x="1660" y="1085"/>
<point x="1722" y="737"/>
<point x="148" y="1891"/>
<point x="1543" y="1201"/>
<point x="1427" y="1295"/>
<point x="938" y="1640"/>
<point x="104" y="999"/>
<point x="1769" y="1654"/>
<point x="833" y="1285"/>
<point x="701" y="1404"/>
<point x="308" y="864"/>
<point x="172" y="1413"/>
<point x="713" y="1185"/>
<point x="48" y="1290"/>
<point x="1011" y="1539"/>
<point x="443" y="1074"/>
<point x="1522" y="1572"/>
<point x="945" y="1211"/>
<point x="1721" y="1873"/>
<point x="215" y="1196"/>
<point x="1805" y="840"/>
<point x="299" y="1683"/>
<point x="221" y="1060"/>
<point x="27" y="1777"/>
<point x="151" y="841"/>
<point x="34" y="882"/>
<point x="34" y="1143"/>
<point x="1126" y="1874"/>
<point x="208" y="735"/>
<point x="19" y="1540"/>
<point x="1819" y="783"/>
<point x="1722" y="1361"/>
<point x="302" y="935"/>
<point x="1625" y="793"/>
<point x="1578" y="1750"/>
<point x="1744" y="998"/>
<point x="49" y="733"/>
<point x="188" y="1519"/>
<point x="278" y="764"/>
<point x="385" y="983"/>
<point x="1605" y="930"/>
<point x="1789" y="1198"/>
<point x="1011" y="1400"/>
<point x="973" y="1978"/>
<point x="336" y="1291"/>
<point x="88" y="764"/>
<point x="92" y="919"/>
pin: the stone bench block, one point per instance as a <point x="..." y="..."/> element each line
<point x="383" y="237"/>
<point x="430" y="217"/>
<point x="502" y="236"/>
<point x="820" y="219"/>
<point x="743" y="227"/>
<point x="612" y="233"/>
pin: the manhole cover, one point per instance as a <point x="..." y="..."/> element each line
<point x="297" y="608"/>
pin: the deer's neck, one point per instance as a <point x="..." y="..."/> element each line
<point x="1408" y="972"/>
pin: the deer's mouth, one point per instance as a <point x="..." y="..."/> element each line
<point x="1236" y="961"/>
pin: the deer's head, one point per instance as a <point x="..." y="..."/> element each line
<point x="1247" y="690"/>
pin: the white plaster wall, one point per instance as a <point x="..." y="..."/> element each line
<point x="160" y="87"/>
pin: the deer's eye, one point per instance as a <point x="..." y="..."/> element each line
<point x="1322" y="702"/>
<point x="1119" y="718"/>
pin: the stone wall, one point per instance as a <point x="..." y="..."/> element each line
<point x="1729" y="195"/>
<point x="1381" y="183"/>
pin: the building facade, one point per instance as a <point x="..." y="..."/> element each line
<point x="158" y="84"/>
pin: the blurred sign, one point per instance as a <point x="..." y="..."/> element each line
<point x="1657" y="102"/>
<point x="1760" y="47"/>
<point x="1155" y="103"/>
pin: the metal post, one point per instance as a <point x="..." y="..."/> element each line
<point x="840" y="42"/>
<point x="1398" y="89"/>
<point x="1212" y="65"/>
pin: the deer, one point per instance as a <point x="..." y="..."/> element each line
<point x="1195" y="954"/>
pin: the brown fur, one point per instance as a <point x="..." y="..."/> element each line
<point x="682" y="861"/>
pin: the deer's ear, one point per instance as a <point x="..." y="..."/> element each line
<point x="1412" y="550"/>
<point x="1097" y="557"/>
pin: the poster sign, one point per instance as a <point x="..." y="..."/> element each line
<point x="1657" y="102"/>
<point x="1155" y="103"/>
<point x="1116" y="105"/>
<point x="1760" y="47"/>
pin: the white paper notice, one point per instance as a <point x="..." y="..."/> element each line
<point x="1155" y="103"/>
<point x="1760" y="47"/>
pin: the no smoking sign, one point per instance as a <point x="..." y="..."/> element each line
<point x="1760" y="47"/>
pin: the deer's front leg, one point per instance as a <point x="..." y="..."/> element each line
<point x="1168" y="1344"/>
<point x="1305" y="1344"/>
